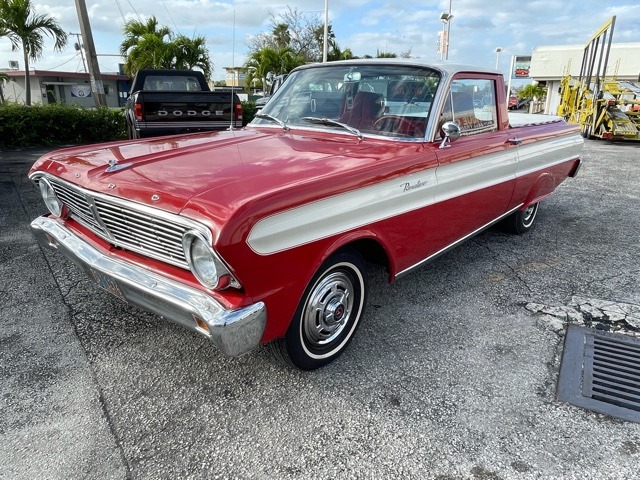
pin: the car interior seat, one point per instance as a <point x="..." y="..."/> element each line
<point x="366" y="109"/>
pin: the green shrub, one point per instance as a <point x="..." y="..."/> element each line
<point x="248" y="111"/>
<point x="58" y="124"/>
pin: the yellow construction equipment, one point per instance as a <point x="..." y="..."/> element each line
<point x="603" y="107"/>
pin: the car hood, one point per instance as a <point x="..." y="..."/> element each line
<point x="226" y="168"/>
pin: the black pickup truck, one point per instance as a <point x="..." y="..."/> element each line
<point x="167" y="102"/>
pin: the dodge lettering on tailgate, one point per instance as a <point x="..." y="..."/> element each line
<point x="263" y="235"/>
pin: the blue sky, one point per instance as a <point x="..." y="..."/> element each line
<point x="477" y="29"/>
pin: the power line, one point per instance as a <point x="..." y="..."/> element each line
<point x="136" y="12"/>
<point x="64" y="63"/>
<point x="172" y="21"/>
<point x="120" y="9"/>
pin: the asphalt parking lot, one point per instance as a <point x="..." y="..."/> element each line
<point x="452" y="375"/>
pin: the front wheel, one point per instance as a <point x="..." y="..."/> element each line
<point x="328" y="313"/>
<point x="521" y="221"/>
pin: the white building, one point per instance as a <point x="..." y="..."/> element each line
<point x="63" y="87"/>
<point x="549" y="64"/>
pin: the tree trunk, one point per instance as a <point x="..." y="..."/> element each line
<point x="27" y="81"/>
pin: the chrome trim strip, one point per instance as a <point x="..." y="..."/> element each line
<point x="219" y="123"/>
<point x="343" y="133"/>
<point x="234" y="332"/>
<point x="444" y="250"/>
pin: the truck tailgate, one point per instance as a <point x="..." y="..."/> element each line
<point x="188" y="111"/>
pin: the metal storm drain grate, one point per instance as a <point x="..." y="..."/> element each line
<point x="600" y="371"/>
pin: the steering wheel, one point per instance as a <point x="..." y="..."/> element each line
<point x="398" y="124"/>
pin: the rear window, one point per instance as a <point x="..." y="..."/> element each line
<point x="172" y="83"/>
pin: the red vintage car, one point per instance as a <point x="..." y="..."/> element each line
<point x="264" y="234"/>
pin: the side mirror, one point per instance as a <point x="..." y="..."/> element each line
<point x="450" y="133"/>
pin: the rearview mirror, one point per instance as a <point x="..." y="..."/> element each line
<point x="352" y="76"/>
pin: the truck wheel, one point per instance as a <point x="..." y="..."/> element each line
<point x="328" y="313"/>
<point x="522" y="221"/>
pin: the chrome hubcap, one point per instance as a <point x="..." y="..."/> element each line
<point x="529" y="215"/>
<point x="328" y="309"/>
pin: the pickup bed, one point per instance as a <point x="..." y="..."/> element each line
<point x="166" y="102"/>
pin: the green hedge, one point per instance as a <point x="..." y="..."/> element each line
<point x="248" y="111"/>
<point x="58" y="124"/>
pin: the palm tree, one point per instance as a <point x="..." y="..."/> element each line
<point x="150" y="52"/>
<point x="192" y="53"/>
<point x="23" y="27"/>
<point x="146" y="45"/>
<point x="532" y="91"/>
<point x="268" y="60"/>
<point x="281" y="35"/>
<point x="260" y="63"/>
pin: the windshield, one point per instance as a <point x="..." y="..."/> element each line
<point x="390" y="100"/>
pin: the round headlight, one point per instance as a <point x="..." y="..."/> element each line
<point x="50" y="198"/>
<point x="201" y="259"/>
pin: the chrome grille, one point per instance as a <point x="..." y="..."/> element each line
<point x="128" y="225"/>
<point x="154" y="236"/>
<point x="79" y="208"/>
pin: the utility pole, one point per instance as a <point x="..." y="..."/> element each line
<point x="97" y="88"/>
<point x="325" y="40"/>
<point x="446" y="55"/>
<point x="79" y="48"/>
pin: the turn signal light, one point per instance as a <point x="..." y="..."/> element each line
<point x="202" y="326"/>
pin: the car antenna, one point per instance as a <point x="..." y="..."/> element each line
<point x="233" y="69"/>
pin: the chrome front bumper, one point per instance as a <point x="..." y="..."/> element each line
<point x="234" y="332"/>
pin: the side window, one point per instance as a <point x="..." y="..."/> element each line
<point x="471" y="103"/>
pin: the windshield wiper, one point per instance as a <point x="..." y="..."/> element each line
<point x="273" y="119"/>
<point x="328" y="121"/>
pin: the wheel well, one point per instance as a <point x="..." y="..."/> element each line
<point x="371" y="251"/>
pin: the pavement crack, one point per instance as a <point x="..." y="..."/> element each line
<point x="596" y="313"/>
<point x="631" y="274"/>
<point x="518" y="277"/>
<point x="69" y="289"/>
<point x="101" y="397"/>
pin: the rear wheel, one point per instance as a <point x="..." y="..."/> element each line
<point x="328" y="313"/>
<point x="521" y="221"/>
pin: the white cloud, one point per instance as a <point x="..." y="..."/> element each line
<point x="364" y="26"/>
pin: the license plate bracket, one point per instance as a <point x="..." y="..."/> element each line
<point x="106" y="282"/>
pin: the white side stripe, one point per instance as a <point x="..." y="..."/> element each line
<point x="344" y="212"/>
